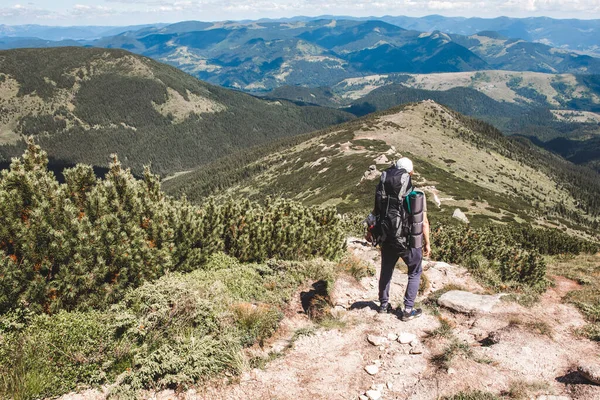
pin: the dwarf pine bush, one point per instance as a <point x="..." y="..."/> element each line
<point x="83" y="243"/>
<point x="505" y="254"/>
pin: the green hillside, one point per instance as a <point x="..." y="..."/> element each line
<point x="83" y="104"/>
<point x="466" y="163"/>
<point x="558" y="112"/>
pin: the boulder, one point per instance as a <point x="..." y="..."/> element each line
<point x="590" y="372"/>
<point x="467" y="302"/>
<point x="459" y="215"/>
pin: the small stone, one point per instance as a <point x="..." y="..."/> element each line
<point x="363" y="397"/>
<point x="451" y="371"/>
<point x="372" y="369"/>
<point x="392" y="336"/>
<point x="376" y="340"/>
<point x="389" y="385"/>
<point x="381" y="348"/>
<point x="590" y="372"/>
<point x="405" y="337"/>
<point x="373" y="394"/>
<point x="494" y="337"/>
<point x="378" y="386"/>
<point x="416" y="349"/>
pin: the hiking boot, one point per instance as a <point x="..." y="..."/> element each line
<point x="414" y="313"/>
<point x="385" y="308"/>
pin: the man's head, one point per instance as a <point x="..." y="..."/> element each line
<point x="406" y="164"/>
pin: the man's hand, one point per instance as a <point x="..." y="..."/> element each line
<point x="427" y="250"/>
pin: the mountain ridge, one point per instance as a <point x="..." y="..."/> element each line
<point x="450" y="152"/>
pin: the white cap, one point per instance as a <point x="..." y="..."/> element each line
<point x="405" y="163"/>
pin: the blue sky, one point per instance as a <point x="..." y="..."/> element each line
<point x="126" y="12"/>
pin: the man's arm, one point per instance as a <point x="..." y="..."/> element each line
<point x="427" y="244"/>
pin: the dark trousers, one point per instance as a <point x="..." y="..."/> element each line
<point x="413" y="259"/>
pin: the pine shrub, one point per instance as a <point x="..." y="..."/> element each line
<point x="82" y="244"/>
<point x="504" y="254"/>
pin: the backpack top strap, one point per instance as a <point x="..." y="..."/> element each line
<point x="383" y="177"/>
<point x="406" y="187"/>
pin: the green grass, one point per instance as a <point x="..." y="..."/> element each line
<point x="445" y="330"/>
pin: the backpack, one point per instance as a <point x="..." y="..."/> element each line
<point x="392" y="226"/>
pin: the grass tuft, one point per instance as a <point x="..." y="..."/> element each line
<point x="472" y="395"/>
<point x="356" y="267"/>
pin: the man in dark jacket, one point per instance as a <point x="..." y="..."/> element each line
<point x="396" y="184"/>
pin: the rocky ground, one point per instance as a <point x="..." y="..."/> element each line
<point x="490" y="344"/>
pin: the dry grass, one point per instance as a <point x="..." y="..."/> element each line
<point x="521" y="389"/>
<point x="537" y="327"/>
<point x="356" y="267"/>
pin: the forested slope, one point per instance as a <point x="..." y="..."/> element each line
<point x="83" y="104"/>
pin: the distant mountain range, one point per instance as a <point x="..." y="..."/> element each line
<point x="59" y="33"/>
<point x="82" y="104"/>
<point x="259" y="56"/>
<point x="571" y="34"/>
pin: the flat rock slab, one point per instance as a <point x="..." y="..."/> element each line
<point x="467" y="302"/>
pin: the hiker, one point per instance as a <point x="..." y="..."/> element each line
<point x="402" y="230"/>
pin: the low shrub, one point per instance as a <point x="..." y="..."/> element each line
<point x="504" y="256"/>
<point x="179" y="330"/>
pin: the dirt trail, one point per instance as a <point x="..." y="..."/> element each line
<point x="535" y="348"/>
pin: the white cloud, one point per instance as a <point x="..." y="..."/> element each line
<point x="85" y="11"/>
<point x="145" y="11"/>
<point x="21" y="11"/>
